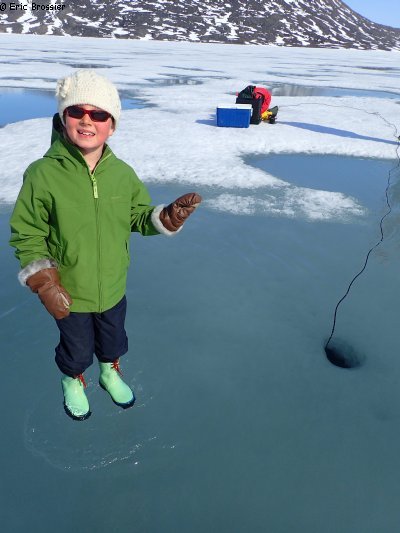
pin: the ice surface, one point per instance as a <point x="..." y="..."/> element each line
<point x="179" y="141"/>
<point x="19" y="104"/>
<point x="241" y="423"/>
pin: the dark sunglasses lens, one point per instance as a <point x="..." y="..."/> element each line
<point x="99" y="116"/>
<point x="75" y="112"/>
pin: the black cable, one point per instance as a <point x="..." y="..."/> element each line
<point x="396" y="133"/>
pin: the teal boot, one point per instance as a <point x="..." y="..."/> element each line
<point x="76" y="404"/>
<point x="110" y="381"/>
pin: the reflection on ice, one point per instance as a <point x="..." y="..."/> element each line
<point x="292" y="202"/>
<point x="111" y="435"/>
<point x="360" y="178"/>
<point x="291" y="89"/>
<point x="22" y="104"/>
<point x="173" y="79"/>
<point x="58" y="60"/>
<point x="323" y="188"/>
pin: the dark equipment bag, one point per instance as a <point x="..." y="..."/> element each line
<point x="259" y="99"/>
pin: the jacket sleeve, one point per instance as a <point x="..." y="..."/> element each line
<point x="141" y="211"/>
<point x="145" y="218"/>
<point x="29" y="224"/>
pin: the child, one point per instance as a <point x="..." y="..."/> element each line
<point x="71" y="226"/>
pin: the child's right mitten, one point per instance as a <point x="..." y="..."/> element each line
<point x="46" y="283"/>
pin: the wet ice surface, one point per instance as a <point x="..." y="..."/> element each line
<point x="20" y="104"/>
<point x="238" y="409"/>
<point x="241" y="422"/>
<point x="290" y="89"/>
<point x="222" y="397"/>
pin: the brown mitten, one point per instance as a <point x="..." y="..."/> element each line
<point x="175" y="214"/>
<point x="46" y="283"/>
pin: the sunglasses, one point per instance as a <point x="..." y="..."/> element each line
<point x="97" y="115"/>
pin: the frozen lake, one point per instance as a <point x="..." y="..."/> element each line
<point x="22" y="104"/>
<point x="241" y="423"/>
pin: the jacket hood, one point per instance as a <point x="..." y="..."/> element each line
<point x="56" y="132"/>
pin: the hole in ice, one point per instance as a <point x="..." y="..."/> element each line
<point x="341" y="354"/>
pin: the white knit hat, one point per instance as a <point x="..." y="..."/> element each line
<point x="88" y="87"/>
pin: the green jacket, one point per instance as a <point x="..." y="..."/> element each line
<point x="82" y="220"/>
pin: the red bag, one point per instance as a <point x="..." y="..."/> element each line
<point x="260" y="92"/>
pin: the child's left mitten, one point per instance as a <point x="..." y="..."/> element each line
<point x="174" y="215"/>
<point x="46" y="284"/>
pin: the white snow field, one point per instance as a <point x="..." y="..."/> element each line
<point x="177" y="141"/>
<point x="241" y="423"/>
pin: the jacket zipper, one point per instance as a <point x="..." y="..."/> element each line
<point x="94" y="183"/>
<point x="93" y="177"/>
<point x="96" y="206"/>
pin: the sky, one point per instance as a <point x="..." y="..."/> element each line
<point x="382" y="11"/>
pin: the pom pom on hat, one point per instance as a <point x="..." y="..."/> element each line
<point x="88" y="87"/>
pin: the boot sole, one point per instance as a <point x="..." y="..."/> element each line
<point x="75" y="417"/>
<point x="123" y="405"/>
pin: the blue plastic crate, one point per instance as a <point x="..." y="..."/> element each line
<point x="234" y="115"/>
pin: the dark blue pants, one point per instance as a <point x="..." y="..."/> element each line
<point x="85" y="334"/>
